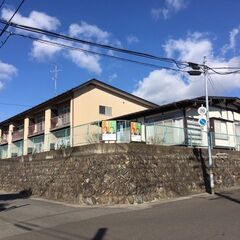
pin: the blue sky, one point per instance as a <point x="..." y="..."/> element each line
<point x="183" y="29"/>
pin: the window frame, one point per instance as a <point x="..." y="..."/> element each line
<point x="105" y="110"/>
<point x="221" y="135"/>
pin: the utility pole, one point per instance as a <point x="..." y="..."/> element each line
<point x="55" y="72"/>
<point x="210" y="161"/>
<point x="196" y="71"/>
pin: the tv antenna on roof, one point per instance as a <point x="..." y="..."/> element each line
<point x="55" y="72"/>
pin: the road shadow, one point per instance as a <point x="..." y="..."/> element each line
<point x="26" y="193"/>
<point x="206" y="177"/>
<point x="58" y="234"/>
<point x="5" y="207"/>
<point x="227" y="197"/>
<point x="100" y="234"/>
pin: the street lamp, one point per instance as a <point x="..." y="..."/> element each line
<point x="197" y="70"/>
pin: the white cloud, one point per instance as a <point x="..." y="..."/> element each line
<point x="176" y="5"/>
<point x="156" y="13"/>
<point x="87" y="61"/>
<point x="112" y="77"/>
<point x="35" y="19"/>
<point x="90" y="62"/>
<point x="132" y="39"/>
<point x="41" y="51"/>
<point x="193" y="48"/>
<point x="163" y="86"/>
<point x="7" y="71"/>
<point x="232" y="41"/>
<point x="82" y="59"/>
<point x="170" y="7"/>
<point x="89" y="31"/>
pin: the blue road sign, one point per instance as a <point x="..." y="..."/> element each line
<point x="202" y="122"/>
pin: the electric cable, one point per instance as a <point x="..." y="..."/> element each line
<point x="4" y="42"/>
<point x="14" y="104"/>
<point x="99" y="45"/>
<point x="2" y="3"/>
<point x="9" y="21"/>
<point x="222" y="73"/>
<point x="52" y="43"/>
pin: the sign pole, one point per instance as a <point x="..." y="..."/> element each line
<point x="208" y="129"/>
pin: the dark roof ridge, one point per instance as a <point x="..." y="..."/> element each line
<point x="175" y="105"/>
<point x="93" y="81"/>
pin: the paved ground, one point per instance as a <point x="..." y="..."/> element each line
<point x="201" y="217"/>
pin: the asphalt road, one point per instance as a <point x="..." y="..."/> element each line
<point x="200" y="217"/>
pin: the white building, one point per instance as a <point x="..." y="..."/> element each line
<point x="177" y="123"/>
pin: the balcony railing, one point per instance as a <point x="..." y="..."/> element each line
<point x="36" y="129"/>
<point x="62" y="142"/>
<point x="4" y="138"/>
<point x="17" y="135"/>
<point x="60" y="121"/>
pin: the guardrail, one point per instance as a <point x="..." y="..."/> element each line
<point x="92" y="133"/>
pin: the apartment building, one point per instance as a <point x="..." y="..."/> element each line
<point x="51" y="124"/>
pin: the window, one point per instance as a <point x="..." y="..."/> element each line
<point x="220" y="130"/>
<point x="237" y="130"/>
<point x="64" y="109"/>
<point x="39" y="123"/>
<point x="105" y="110"/>
<point x="63" y="114"/>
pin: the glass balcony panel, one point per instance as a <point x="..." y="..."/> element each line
<point x="60" y="121"/>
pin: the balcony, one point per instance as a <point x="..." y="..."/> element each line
<point x="4" y="138"/>
<point x="17" y="135"/>
<point x="60" y="121"/>
<point x="36" y="129"/>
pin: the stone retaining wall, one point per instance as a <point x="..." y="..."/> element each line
<point x="118" y="173"/>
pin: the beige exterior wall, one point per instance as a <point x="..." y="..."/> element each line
<point x="47" y="126"/>
<point x="86" y="106"/>
<point x="10" y="139"/>
<point x="47" y="121"/>
<point x="84" y="109"/>
<point x="25" y="138"/>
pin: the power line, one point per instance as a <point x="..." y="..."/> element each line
<point x="210" y="78"/>
<point x="52" y="43"/>
<point x="225" y="67"/>
<point x="223" y="73"/>
<point x="120" y="58"/>
<point x="211" y="81"/>
<point x="99" y="45"/>
<point x="2" y="4"/>
<point x="179" y="64"/>
<point x="14" y="104"/>
<point x="6" y="39"/>
<point x="9" y="21"/>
